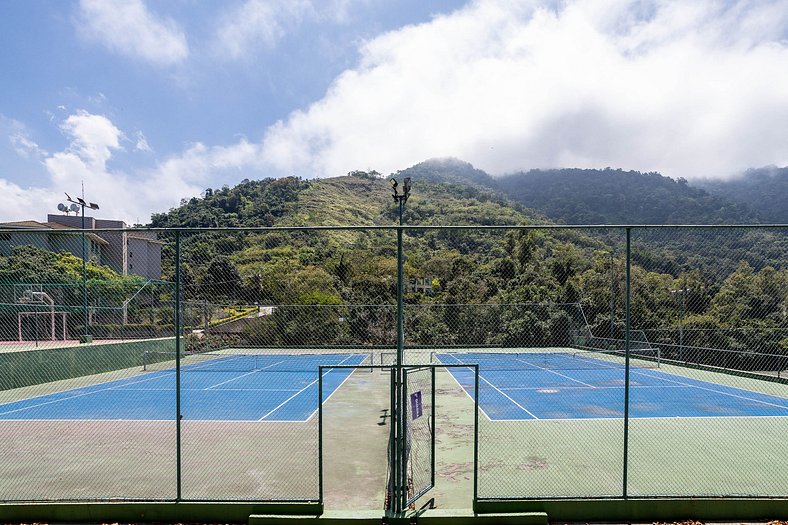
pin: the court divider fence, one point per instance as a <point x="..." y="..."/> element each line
<point x="611" y="362"/>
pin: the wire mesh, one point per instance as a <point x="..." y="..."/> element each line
<point x="420" y="432"/>
<point x="720" y="329"/>
<point x="88" y="395"/>
<point x="72" y="425"/>
<point x="257" y="327"/>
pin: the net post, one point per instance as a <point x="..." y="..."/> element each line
<point x="626" y="361"/>
<point x="178" y="472"/>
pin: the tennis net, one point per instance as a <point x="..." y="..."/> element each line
<point x="248" y="360"/>
<point x="585" y="358"/>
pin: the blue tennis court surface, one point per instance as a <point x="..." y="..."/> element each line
<point x="525" y="386"/>
<point x="222" y="387"/>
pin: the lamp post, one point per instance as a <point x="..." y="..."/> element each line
<point x="85" y="337"/>
<point x="399" y="459"/>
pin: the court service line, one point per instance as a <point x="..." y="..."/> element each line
<point x="283" y="403"/>
<point x="554" y="372"/>
<point x="521" y="407"/>
<point x="243" y="375"/>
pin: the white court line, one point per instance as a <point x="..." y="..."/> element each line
<point x="619" y="387"/>
<point x="521" y="407"/>
<point x="283" y="403"/>
<point x="660" y="377"/>
<point x="553" y="372"/>
<point x="203" y="389"/>
<point x="715" y="391"/>
<point x="333" y="392"/>
<point x="74" y="396"/>
<point x="621" y="418"/>
<point x="469" y="394"/>
<point x="243" y="375"/>
<point x="171" y="420"/>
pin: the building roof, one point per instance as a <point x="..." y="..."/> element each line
<point x="35" y="225"/>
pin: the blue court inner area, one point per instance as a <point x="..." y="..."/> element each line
<point x="226" y="387"/>
<point x="571" y="386"/>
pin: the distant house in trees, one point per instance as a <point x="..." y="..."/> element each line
<point x="127" y="252"/>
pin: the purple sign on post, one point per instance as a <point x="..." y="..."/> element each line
<point x="415" y="405"/>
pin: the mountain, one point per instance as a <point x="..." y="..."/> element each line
<point x="764" y="190"/>
<point x="499" y="287"/>
<point x="591" y="196"/>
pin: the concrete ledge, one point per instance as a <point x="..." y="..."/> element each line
<point x="372" y="517"/>
<point x="460" y="516"/>
<point x="162" y="511"/>
<point x="644" y="510"/>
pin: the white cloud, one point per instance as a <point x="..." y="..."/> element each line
<point x="25" y="147"/>
<point x="142" y="143"/>
<point x="18" y="202"/>
<point x="19" y="138"/>
<point x="92" y="141"/>
<point x="93" y="138"/>
<point x="691" y="89"/>
<point x="258" y="24"/>
<point x="129" y="28"/>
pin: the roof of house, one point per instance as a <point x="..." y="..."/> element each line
<point x="35" y="225"/>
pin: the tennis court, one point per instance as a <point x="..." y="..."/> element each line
<point x="224" y="386"/>
<point x="571" y="384"/>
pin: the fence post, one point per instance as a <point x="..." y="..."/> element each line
<point x="320" y="434"/>
<point x="475" y="434"/>
<point x="626" y="360"/>
<point x="178" y="364"/>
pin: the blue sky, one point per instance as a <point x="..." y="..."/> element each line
<point x="149" y="102"/>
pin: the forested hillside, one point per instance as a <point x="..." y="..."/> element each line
<point x="502" y="287"/>
<point x="464" y="287"/>
<point x="764" y="190"/>
<point x="588" y="196"/>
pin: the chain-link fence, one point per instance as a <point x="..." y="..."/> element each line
<point x="184" y="364"/>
